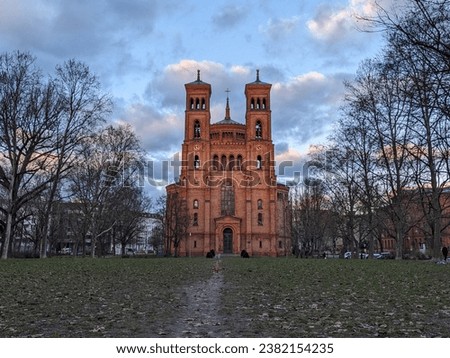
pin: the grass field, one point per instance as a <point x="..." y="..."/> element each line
<point x="257" y="297"/>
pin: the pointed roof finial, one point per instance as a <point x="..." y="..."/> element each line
<point x="198" y="75"/>
<point x="257" y="75"/>
<point x="227" y="109"/>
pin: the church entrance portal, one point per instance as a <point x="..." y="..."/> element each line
<point x="227" y="241"/>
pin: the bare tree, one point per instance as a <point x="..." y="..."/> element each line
<point x="83" y="107"/>
<point x="42" y="123"/>
<point x="177" y="222"/>
<point x="339" y="177"/>
<point x="159" y="235"/>
<point x="423" y="24"/>
<point x="129" y="207"/>
<point x="429" y="80"/>
<point x="418" y="34"/>
<point x="99" y="176"/>
<point x="312" y="220"/>
<point x="29" y="108"/>
<point x="382" y="89"/>
<point x="157" y="238"/>
<point x="356" y="141"/>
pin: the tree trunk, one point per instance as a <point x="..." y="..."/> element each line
<point x="437" y="243"/>
<point x="436" y="221"/>
<point x="8" y="234"/>
<point x="175" y="245"/>
<point x="398" y="245"/>
<point x="93" y="242"/>
<point x="380" y="242"/>
<point x="45" y="227"/>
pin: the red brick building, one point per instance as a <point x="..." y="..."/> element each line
<point x="227" y="182"/>
<point x="419" y="237"/>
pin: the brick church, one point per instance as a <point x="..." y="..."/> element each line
<point x="228" y="187"/>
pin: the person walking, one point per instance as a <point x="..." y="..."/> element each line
<point x="445" y="253"/>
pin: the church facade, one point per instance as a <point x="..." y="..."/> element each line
<point x="227" y="185"/>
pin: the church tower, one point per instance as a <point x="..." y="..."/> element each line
<point x="259" y="127"/>
<point x="195" y="150"/>
<point x="227" y="184"/>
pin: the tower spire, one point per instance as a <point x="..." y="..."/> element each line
<point x="198" y="75"/>
<point x="227" y="108"/>
<point x="257" y="75"/>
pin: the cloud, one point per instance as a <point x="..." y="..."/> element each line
<point x="290" y="165"/>
<point x="229" y="16"/>
<point x="282" y="38"/>
<point x="98" y="32"/>
<point x="240" y="71"/>
<point x="159" y="117"/>
<point x="145" y="51"/>
<point x="159" y="132"/>
<point x="277" y="29"/>
<point x="332" y="24"/>
<point x="281" y="147"/>
<point x="168" y="86"/>
<point x="305" y="106"/>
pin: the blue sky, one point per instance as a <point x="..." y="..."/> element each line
<point x="145" y="50"/>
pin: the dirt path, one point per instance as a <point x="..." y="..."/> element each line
<point x="199" y="314"/>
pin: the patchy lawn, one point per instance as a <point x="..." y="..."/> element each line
<point x="66" y="297"/>
<point x="256" y="297"/>
<point x="337" y="298"/>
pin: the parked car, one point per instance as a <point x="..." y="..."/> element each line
<point x="362" y="255"/>
<point x="66" y="251"/>
<point x="384" y="256"/>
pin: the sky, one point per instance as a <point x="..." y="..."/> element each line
<point x="144" y="51"/>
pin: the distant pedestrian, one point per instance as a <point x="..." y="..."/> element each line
<point x="445" y="253"/>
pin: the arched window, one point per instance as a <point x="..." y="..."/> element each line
<point x="252" y="103"/>
<point x="223" y="162"/>
<point x="197" y="103"/>
<point x="195" y="204"/>
<point x="196" y="162"/>
<point x="192" y="103"/>
<point x="260" y="204"/>
<point x="227" y="198"/>
<point x="203" y="103"/>
<point x="264" y="103"/>
<point x="258" y="162"/>
<point x="258" y="129"/>
<point x="231" y="163"/>
<point x="197" y="131"/>
<point x="239" y="162"/>
<point x="258" y="103"/>
<point x="260" y="219"/>
<point x="195" y="221"/>
<point x="215" y="162"/>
